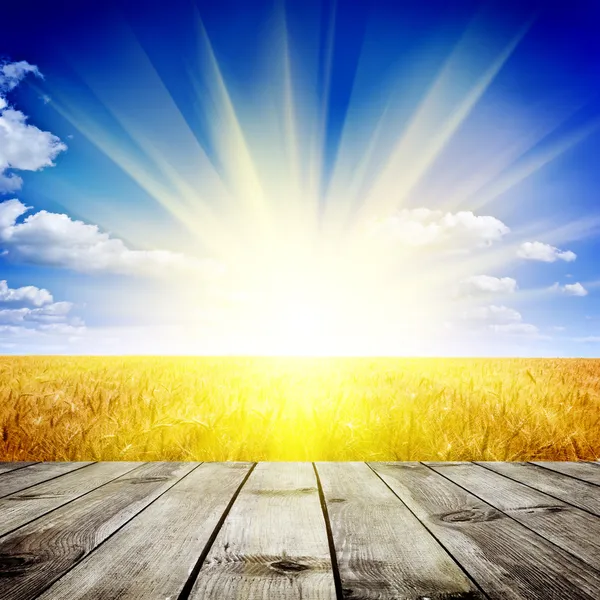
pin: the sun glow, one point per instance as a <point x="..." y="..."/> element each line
<point x="356" y="259"/>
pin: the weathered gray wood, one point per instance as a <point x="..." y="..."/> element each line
<point x="153" y="555"/>
<point x="383" y="550"/>
<point x="507" y="560"/>
<point x="36" y="555"/>
<point x="21" y="479"/>
<point x="27" y="505"/>
<point x="273" y="543"/>
<point x="6" y="467"/>
<point x="568" y="527"/>
<point x="580" y="470"/>
<point x="572" y="491"/>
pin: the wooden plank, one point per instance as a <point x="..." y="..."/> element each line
<point x="21" y="479"/>
<point x="572" y="491"/>
<point x="580" y="470"/>
<point x="568" y="527"/>
<point x="6" y="467"/>
<point x="383" y="551"/>
<point x="36" y="555"/>
<point x="153" y="555"/>
<point x="273" y="543"/>
<point x="25" y="506"/>
<point x="507" y="560"/>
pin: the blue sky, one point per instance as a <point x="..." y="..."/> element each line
<point x="300" y="178"/>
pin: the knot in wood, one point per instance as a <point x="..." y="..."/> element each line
<point x="289" y="566"/>
<point x="13" y="565"/>
<point x="543" y="509"/>
<point x="35" y="497"/>
<point x="452" y="596"/>
<point x="471" y="515"/>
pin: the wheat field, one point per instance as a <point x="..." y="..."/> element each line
<point x="189" y="408"/>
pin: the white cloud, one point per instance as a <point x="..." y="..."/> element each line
<point x="515" y="329"/>
<point x="62" y="329"/>
<point x="544" y="252"/>
<point x="44" y="322"/>
<point x="500" y="320"/>
<point x="28" y="294"/>
<point x="590" y="339"/>
<point x="570" y="289"/>
<point x="11" y="74"/>
<point x="10" y="316"/>
<point x="497" y="314"/>
<point x="56" y="240"/>
<point x="486" y="284"/>
<point x="20" y="331"/>
<point x="425" y="227"/>
<point x="575" y="289"/>
<point x="23" y="147"/>
<point x="47" y="339"/>
<point x="51" y="313"/>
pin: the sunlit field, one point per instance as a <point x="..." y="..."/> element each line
<point x="151" y="408"/>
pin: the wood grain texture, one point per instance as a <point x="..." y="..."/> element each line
<point x="152" y="556"/>
<point x="21" y="479"/>
<point x="569" y="528"/>
<point x="383" y="551"/>
<point x="179" y="531"/>
<point x="273" y="544"/>
<point x="5" y="467"/>
<point x="507" y="560"/>
<point x="572" y="491"/>
<point x="580" y="470"/>
<point x="36" y="555"/>
<point x="22" y="507"/>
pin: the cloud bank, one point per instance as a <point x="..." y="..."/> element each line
<point x="544" y="252"/>
<point x="486" y="284"/>
<point x="570" y="289"/>
<point x="37" y="317"/>
<point x="426" y="227"/>
<point x="56" y="240"/>
<point x="23" y="147"/>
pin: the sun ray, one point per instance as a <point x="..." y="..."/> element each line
<point x="424" y="138"/>
<point x="189" y="214"/>
<point x="309" y="269"/>
<point x="317" y="151"/>
<point x="229" y="137"/>
<point x="530" y="165"/>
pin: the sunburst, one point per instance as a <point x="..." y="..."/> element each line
<point x="304" y="271"/>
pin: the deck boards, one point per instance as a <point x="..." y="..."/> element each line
<point x="569" y="528"/>
<point x="273" y="543"/>
<point x="170" y="535"/>
<point x="383" y="550"/>
<point x="505" y="558"/>
<point x="37" y="554"/>
<point x="585" y="471"/>
<point x="573" y="491"/>
<point x="5" y="467"/>
<point x="22" y="507"/>
<point x="331" y="531"/>
<point x="20" y="479"/>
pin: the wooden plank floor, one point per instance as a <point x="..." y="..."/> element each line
<point x="330" y="531"/>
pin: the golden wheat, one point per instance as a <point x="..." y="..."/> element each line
<point x="183" y="408"/>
